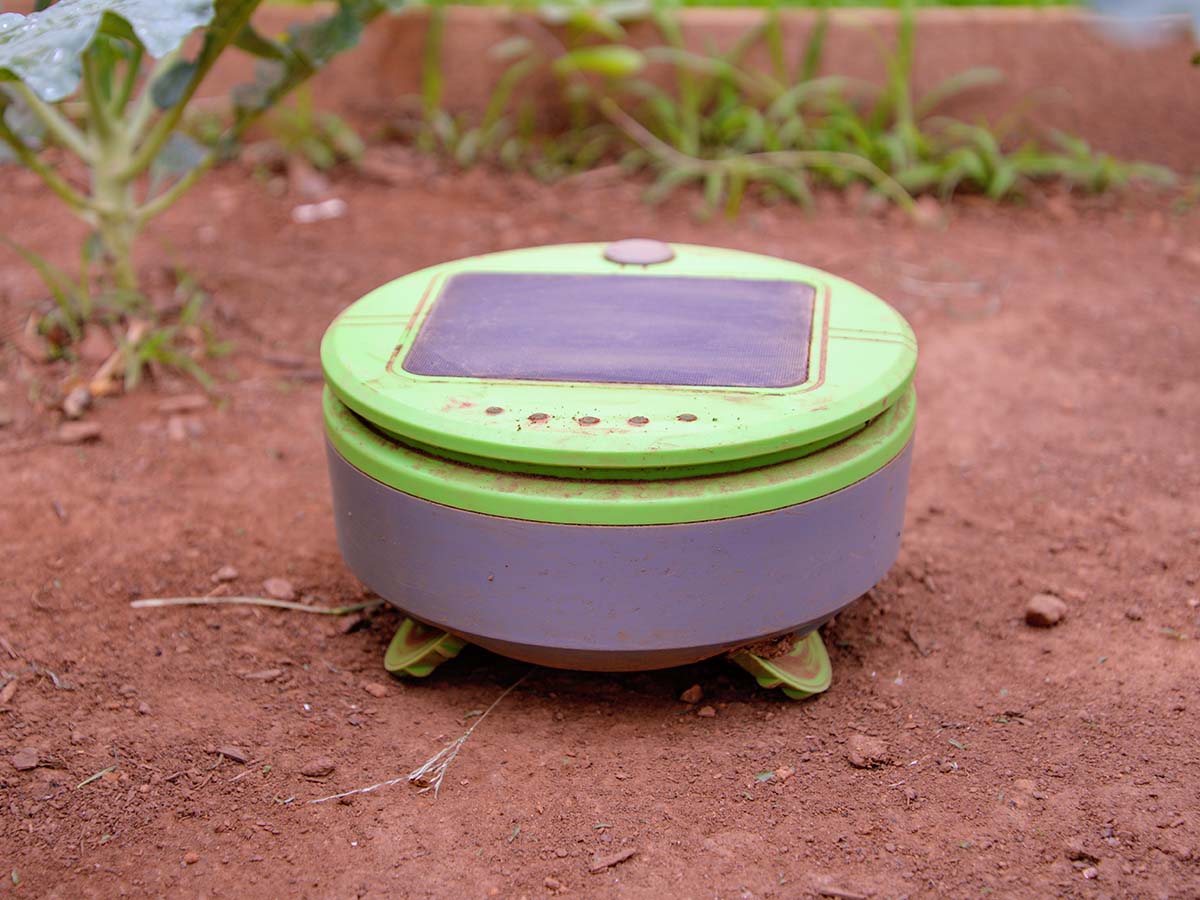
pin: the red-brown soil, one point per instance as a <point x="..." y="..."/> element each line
<point x="1058" y="450"/>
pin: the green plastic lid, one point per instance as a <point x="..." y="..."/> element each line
<point x="629" y="360"/>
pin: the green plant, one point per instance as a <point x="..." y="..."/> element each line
<point x="322" y="138"/>
<point x="108" y="83"/>
<point x="779" y="127"/>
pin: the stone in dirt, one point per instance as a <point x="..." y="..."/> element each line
<point x="552" y="884"/>
<point x="225" y="573"/>
<point x="191" y="858"/>
<point x="1134" y="614"/>
<point x="318" y="768"/>
<point x="25" y="759"/>
<point x="865" y="752"/>
<point x="706" y="712"/>
<point x="77" y="432"/>
<point x="237" y="754"/>
<point x="279" y="589"/>
<point x="76" y="403"/>
<point x="694" y="694"/>
<point x="1044" y="611"/>
<point x="375" y="689"/>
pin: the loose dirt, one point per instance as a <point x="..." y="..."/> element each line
<point x="1058" y="452"/>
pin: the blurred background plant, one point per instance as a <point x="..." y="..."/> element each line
<point x="103" y="87"/>
<point x="721" y="121"/>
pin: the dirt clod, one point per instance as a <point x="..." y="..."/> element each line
<point x="865" y="752"/>
<point x="279" y="589"/>
<point x="77" y="432"/>
<point x="25" y="759"/>
<point x="143" y="708"/>
<point x="706" y="712"/>
<point x="1044" y="611"/>
<point x="318" y="768"/>
<point x="552" y="884"/>
<point x="375" y="689"/>
<point x="694" y="694"/>
<point x="191" y="858"/>
<point x="1134" y="614"/>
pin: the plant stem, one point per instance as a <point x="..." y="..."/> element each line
<point x="143" y="107"/>
<point x="132" y="67"/>
<point x="76" y="201"/>
<point x="56" y="123"/>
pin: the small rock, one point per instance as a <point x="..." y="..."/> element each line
<point x="78" y="737"/>
<point x="1134" y="614"/>
<point x="375" y="689"/>
<point x="1091" y="872"/>
<point x="25" y="759"/>
<point x="177" y="429"/>
<point x="143" y="708"/>
<point x="77" y="432"/>
<point x="184" y="403"/>
<point x="1044" y="611"/>
<point x="694" y="694"/>
<point x="706" y="712"/>
<point x="783" y="773"/>
<point x="865" y="752"/>
<point x="127" y="690"/>
<point x="225" y="573"/>
<point x="264" y="675"/>
<point x="552" y="884"/>
<point x="318" y="768"/>
<point x="279" y="588"/>
<point x="76" y="403"/>
<point x="237" y="754"/>
<point x="191" y="858"/>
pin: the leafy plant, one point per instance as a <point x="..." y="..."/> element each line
<point x="108" y="84"/>
<point x="730" y="126"/>
<point x="322" y="138"/>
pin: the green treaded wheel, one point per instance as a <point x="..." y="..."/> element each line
<point x="801" y="672"/>
<point x="416" y="649"/>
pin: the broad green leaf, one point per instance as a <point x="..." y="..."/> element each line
<point x="611" y="60"/>
<point x="21" y="120"/>
<point x="179" y="155"/>
<point x="168" y="88"/>
<point x="43" y="49"/>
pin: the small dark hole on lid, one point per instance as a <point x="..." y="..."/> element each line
<point x="686" y="417"/>
<point x="538" y="417"/>
<point x="589" y="420"/>
<point x="494" y="410"/>
<point x="639" y="420"/>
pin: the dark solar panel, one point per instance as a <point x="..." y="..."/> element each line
<point x="617" y="328"/>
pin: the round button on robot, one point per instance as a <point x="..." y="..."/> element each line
<point x="618" y="457"/>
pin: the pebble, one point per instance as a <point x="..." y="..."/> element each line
<point x="225" y="573"/>
<point x="552" y="884"/>
<point x="77" y="432"/>
<point x="25" y="759"/>
<point x="866" y="752"/>
<point x="318" y="768"/>
<point x="76" y="403"/>
<point x="694" y="694"/>
<point x="706" y="712"/>
<point x="143" y="708"/>
<point x="1090" y="872"/>
<point x="177" y="429"/>
<point x="1044" y="611"/>
<point x="1134" y="614"/>
<point x="375" y="689"/>
<point x="279" y="588"/>
<point x="783" y="773"/>
<point x="191" y="858"/>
